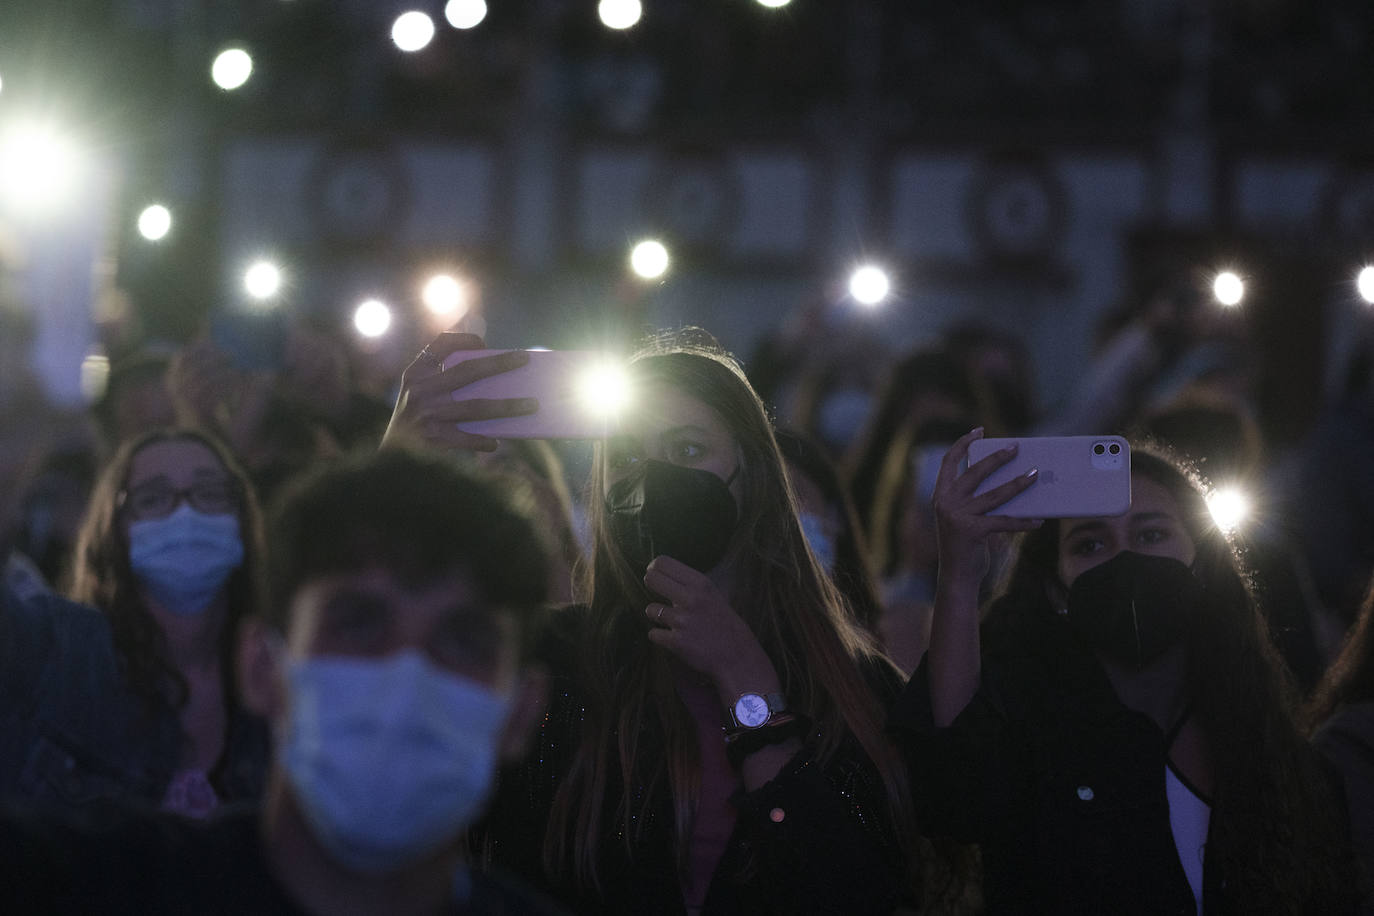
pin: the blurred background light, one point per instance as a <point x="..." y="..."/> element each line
<point x="95" y="376"/>
<point x="619" y="14"/>
<point x="869" y="285"/>
<point x="649" y="259"/>
<point x="1365" y="284"/>
<point x="1229" y="507"/>
<point x="372" y="318"/>
<point x="39" y="168"/>
<point x="465" y="14"/>
<point x="412" y="31"/>
<point x="262" y="279"/>
<point x="231" y="68"/>
<point x="1228" y="288"/>
<point x="154" y="222"/>
<point x="445" y="295"/>
<point x="774" y="4"/>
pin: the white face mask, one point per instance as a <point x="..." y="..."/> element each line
<point x="390" y="759"/>
<point x="184" y="559"/>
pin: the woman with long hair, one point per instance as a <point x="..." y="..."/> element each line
<point x="714" y="741"/>
<point x="136" y="697"/>
<point x="1119" y="736"/>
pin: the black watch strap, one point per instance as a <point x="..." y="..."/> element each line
<point x="741" y="743"/>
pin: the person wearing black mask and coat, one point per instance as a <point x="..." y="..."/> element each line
<point x="1117" y="734"/>
<point x="714" y="741"/>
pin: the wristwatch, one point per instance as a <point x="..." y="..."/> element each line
<point x="753" y="710"/>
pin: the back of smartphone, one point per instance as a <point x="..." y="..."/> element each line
<point x="577" y="392"/>
<point x="1080" y="476"/>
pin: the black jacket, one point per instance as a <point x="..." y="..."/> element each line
<point x="1061" y="784"/>
<point x="813" y="840"/>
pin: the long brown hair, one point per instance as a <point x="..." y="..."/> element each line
<point x="779" y="589"/>
<point x="103" y="578"/>
<point x="1276" y="833"/>
<point x="1350" y="679"/>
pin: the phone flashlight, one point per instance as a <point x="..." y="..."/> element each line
<point x="603" y="390"/>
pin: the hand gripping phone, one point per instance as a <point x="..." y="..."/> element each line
<point x="579" y="391"/>
<point x="1079" y="476"/>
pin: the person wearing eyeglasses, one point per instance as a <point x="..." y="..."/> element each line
<point x="128" y="693"/>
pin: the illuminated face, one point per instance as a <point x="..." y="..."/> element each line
<point x="1153" y="526"/>
<point x="676" y="427"/>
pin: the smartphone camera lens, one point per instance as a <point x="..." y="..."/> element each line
<point x="1099" y="448"/>
<point x="1115" y="449"/>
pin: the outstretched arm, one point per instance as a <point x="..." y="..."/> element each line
<point x="963" y="526"/>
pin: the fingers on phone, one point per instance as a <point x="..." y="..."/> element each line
<point x="470" y="370"/>
<point x="981" y="469"/>
<point x="949" y="465"/>
<point x="986" y="502"/>
<point x="487" y="408"/>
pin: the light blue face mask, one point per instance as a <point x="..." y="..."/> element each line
<point x="390" y="759"/>
<point x="184" y="559"/>
<point x="822" y="544"/>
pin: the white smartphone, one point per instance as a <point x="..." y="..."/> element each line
<point x="1080" y="476"/>
<point x="579" y="392"/>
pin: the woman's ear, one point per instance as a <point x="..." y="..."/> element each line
<point x="528" y="703"/>
<point x="260" y="684"/>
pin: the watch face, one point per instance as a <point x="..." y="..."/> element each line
<point x="751" y="710"/>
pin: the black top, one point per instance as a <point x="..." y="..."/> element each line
<point x="1060" y="782"/>
<point x="125" y="860"/>
<point x="815" y="839"/>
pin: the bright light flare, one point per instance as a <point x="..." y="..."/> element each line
<point x="231" y="68"/>
<point x="604" y="389"/>
<point x="445" y="295"/>
<point x="1365" y="284"/>
<point x="1229" y="506"/>
<point x="1228" y="288"/>
<point x="412" y="31"/>
<point x="465" y="14"/>
<point x="774" y="4"/>
<point x="619" y="14"/>
<point x="869" y="285"/>
<point x="372" y="318"/>
<point x="649" y="259"/>
<point x="262" y="279"/>
<point x="39" y="167"/>
<point x="155" y="222"/>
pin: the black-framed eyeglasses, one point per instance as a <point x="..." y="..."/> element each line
<point x="158" y="500"/>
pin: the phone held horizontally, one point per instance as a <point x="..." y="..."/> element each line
<point x="1079" y="476"/>
<point x="580" y="393"/>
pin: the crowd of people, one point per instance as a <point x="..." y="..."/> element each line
<point x="768" y="646"/>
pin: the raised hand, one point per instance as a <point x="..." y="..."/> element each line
<point x="427" y="410"/>
<point x="696" y="623"/>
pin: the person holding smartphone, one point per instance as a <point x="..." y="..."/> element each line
<point x="714" y="740"/>
<point x="1116" y="734"/>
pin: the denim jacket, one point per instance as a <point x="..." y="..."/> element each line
<point x="72" y="733"/>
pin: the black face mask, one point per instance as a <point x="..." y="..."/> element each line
<point x="1134" y="607"/>
<point x="662" y="509"/>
